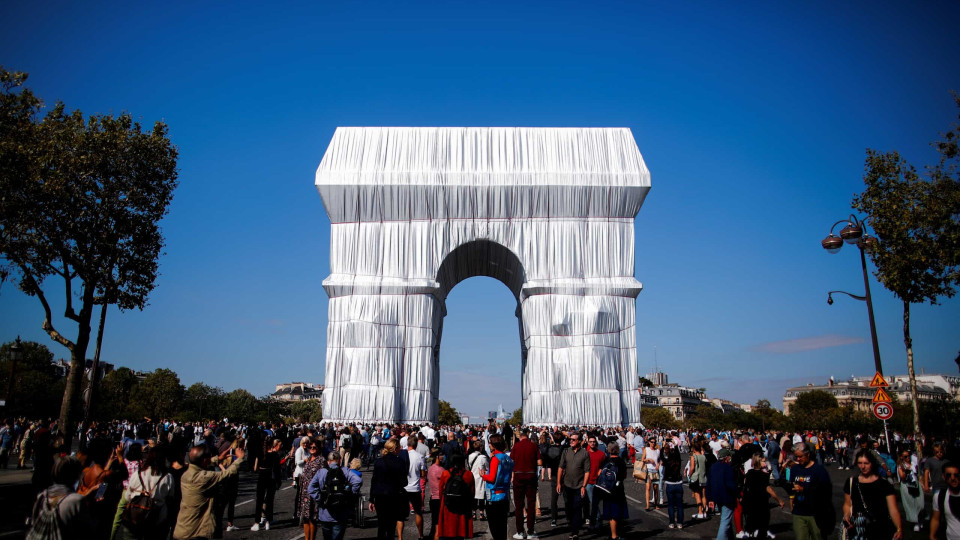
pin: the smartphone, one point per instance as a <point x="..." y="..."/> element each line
<point x="101" y="492"/>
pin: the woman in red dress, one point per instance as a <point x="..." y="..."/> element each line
<point x="454" y="524"/>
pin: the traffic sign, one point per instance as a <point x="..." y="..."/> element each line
<point x="878" y="381"/>
<point x="881" y="396"/>
<point x="883" y="411"/>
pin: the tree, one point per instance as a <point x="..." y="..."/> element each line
<point x="917" y="225"/>
<point x="447" y="415"/>
<point x="117" y="391"/>
<point x="33" y="377"/>
<point x="161" y="393"/>
<point x="82" y="198"/>
<point x="241" y="406"/>
<point x="645" y="382"/>
<point x="814" y="410"/>
<point x="202" y="401"/>
<point x="657" y="417"/>
<point x="309" y="410"/>
<point x="517" y="417"/>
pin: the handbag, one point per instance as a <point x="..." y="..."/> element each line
<point x="640" y="471"/>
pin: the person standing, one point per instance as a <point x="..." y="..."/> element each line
<point x="416" y="472"/>
<point x="572" y="474"/>
<point x="497" y="479"/>
<point x="811" y="486"/>
<point x="434" y="472"/>
<point x="756" y="497"/>
<point x="526" y="460"/>
<point x="334" y="508"/>
<point x="388" y="497"/>
<point x="722" y="491"/>
<point x="195" y="519"/>
<point x="869" y="503"/>
<point x="597" y="457"/>
<point x="698" y="478"/>
<point x="615" y="501"/>
<point x="308" y="507"/>
<point x="910" y="492"/>
<point x="268" y="480"/>
<point x="456" y="519"/>
<point x="478" y="462"/>
<point x="946" y="505"/>
<point x="673" y="483"/>
<point x="651" y="460"/>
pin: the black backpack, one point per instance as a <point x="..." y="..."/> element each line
<point x="457" y="495"/>
<point x="142" y="510"/>
<point x="336" y="495"/>
<point x="607" y="479"/>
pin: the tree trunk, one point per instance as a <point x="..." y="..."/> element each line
<point x="908" y="342"/>
<point x="69" y="408"/>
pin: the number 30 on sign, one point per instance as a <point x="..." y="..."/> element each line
<point x="883" y="411"/>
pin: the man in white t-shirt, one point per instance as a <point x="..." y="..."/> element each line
<point x="949" y="510"/>
<point x="715" y="444"/>
<point x="416" y="472"/>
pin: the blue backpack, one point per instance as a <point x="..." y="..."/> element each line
<point x="500" y="487"/>
<point x="607" y="478"/>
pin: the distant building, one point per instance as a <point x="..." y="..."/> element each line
<point x="61" y="368"/>
<point x="658" y="378"/>
<point x="297" y="391"/>
<point x="856" y="391"/>
<point x="724" y="405"/>
<point x="681" y="401"/>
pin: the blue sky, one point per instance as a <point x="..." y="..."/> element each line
<point x="752" y="117"/>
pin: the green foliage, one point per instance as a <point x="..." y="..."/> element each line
<point x="202" y="402"/>
<point x="657" y="418"/>
<point x="447" y="415"/>
<point x="160" y="394"/>
<point x="242" y="406"/>
<point x="517" y="417"/>
<point x="814" y="410"/>
<point x="82" y="200"/>
<point x="645" y="382"/>
<point x="118" y="391"/>
<point x="33" y="379"/>
<point x="310" y="410"/>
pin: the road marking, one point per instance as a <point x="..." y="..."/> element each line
<point x="248" y="501"/>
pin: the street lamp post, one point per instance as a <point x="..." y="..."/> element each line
<point x="854" y="234"/>
<point x="15" y="353"/>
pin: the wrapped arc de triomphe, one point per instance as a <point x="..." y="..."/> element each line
<point x="547" y="211"/>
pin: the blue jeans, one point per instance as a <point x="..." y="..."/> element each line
<point x="725" y="532"/>
<point x="675" y="502"/>
<point x="332" y="530"/>
<point x="593" y="505"/>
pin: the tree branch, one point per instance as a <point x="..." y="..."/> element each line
<point x="48" y="319"/>
<point x="68" y="311"/>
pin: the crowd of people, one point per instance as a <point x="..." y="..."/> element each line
<point x="159" y="480"/>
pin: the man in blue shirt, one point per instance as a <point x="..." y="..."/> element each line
<point x="722" y="490"/>
<point x="333" y="521"/>
<point x="811" y="485"/>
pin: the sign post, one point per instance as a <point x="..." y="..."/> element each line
<point x="882" y="406"/>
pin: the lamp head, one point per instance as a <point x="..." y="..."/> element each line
<point x="832" y="243"/>
<point x="829" y="299"/>
<point x="851" y="233"/>
<point x="868" y="243"/>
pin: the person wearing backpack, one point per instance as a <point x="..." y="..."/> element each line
<point x="497" y="478"/>
<point x="610" y="483"/>
<point x="946" y="504"/>
<point x="146" y="511"/>
<point x="60" y="513"/>
<point x="456" y="501"/>
<point x="335" y="493"/>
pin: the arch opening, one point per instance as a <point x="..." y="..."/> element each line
<point x="481" y="258"/>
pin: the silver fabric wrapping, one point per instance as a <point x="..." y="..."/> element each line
<point x="547" y="211"/>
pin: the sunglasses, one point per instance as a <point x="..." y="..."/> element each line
<point x="950" y="475"/>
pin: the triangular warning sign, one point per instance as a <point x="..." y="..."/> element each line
<point x="878" y="381"/>
<point x="882" y="395"/>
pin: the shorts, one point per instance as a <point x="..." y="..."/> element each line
<point x="415" y="498"/>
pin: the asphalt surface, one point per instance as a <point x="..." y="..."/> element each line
<point x="16" y="498"/>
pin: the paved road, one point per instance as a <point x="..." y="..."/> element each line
<point x="15" y="498"/>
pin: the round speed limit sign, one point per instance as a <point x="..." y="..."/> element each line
<point x="883" y="411"/>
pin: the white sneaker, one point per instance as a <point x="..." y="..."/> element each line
<point x="519" y="536"/>
<point x="743" y="534"/>
<point x="266" y="525"/>
<point x="771" y="535"/>
<point x="532" y="536"/>
<point x="232" y="528"/>
<point x="256" y="527"/>
<point x="916" y="528"/>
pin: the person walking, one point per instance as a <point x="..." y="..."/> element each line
<point x="615" y="501"/>
<point x="497" y="479"/>
<point x="946" y="505"/>
<point x="910" y="493"/>
<point x="308" y="506"/>
<point x="151" y="479"/>
<point x="572" y="474"/>
<point x="526" y="460"/>
<point x="722" y="492"/>
<point x="698" y="478"/>
<point x="388" y="496"/>
<point x="268" y="480"/>
<point x="335" y="494"/>
<point x="592" y="504"/>
<point x="812" y="491"/>
<point x="478" y="462"/>
<point x="869" y="503"/>
<point x="756" y="497"/>
<point x="673" y="482"/>
<point x="416" y="472"/>
<point x="195" y="519"/>
<point x="434" y="473"/>
<point x="651" y="460"/>
<point x="456" y="485"/>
